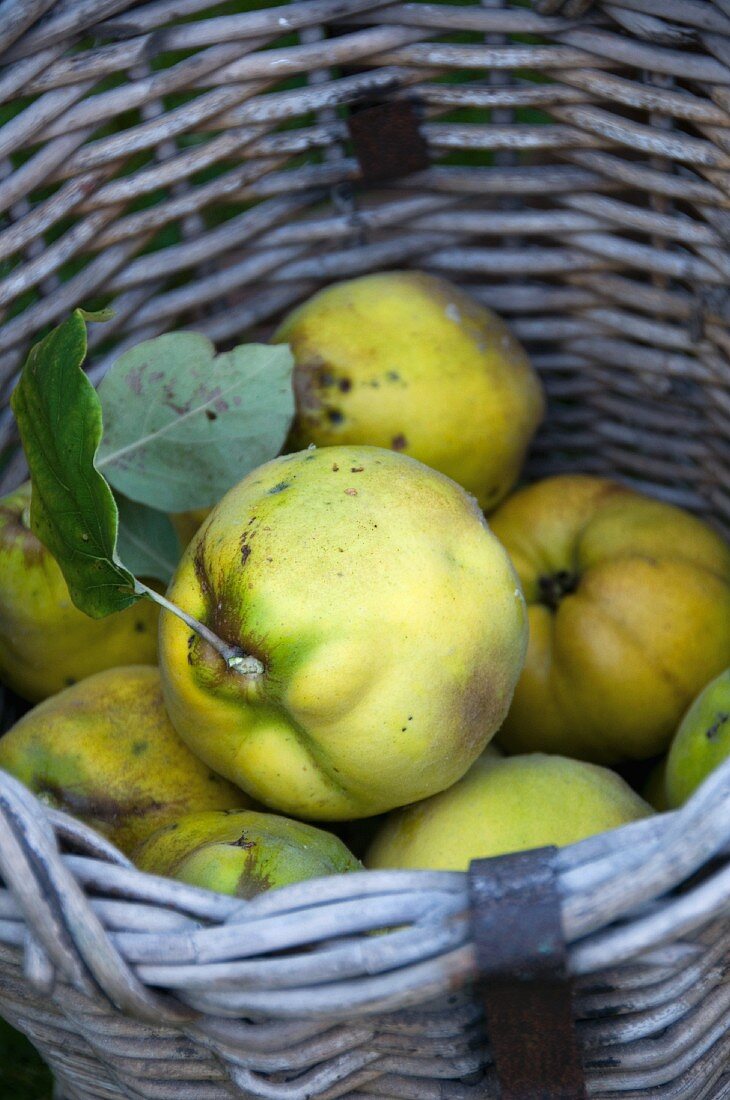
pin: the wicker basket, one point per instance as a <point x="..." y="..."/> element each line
<point x="209" y="166"/>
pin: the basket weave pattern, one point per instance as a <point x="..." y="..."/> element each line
<point x="192" y="166"/>
<point x="284" y="998"/>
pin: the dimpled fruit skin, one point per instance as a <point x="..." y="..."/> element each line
<point x="702" y="741"/>
<point x="105" y="751"/>
<point x="611" y="669"/>
<point x="408" y="361"/>
<point x="242" y="852"/>
<point x="387" y="617"/>
<point x="46" y="643"/>
<point x="506" y="805"/>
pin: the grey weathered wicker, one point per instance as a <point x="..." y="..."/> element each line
<point x="192" y="164"/>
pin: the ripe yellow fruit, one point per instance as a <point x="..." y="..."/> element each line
<point x="506" y="805"/>
<point x="702" y="741"/>
<point x="387" y="618"/>
<point x="46" y="643"/>
<point x="243" y="853"/>
<point x="105" y="751"/>
<point x="629" y="606"/>
<point x="411" y="362"/>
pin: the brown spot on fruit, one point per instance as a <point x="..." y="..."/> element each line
<point x="335" y="467"/>
<point x="351" y="492"/>
<point x="399" y="442"/>
<point x="107" y="810"/>
<point x="356" y="469"/>
<point x="252" y="882"/>
<point x="334" y="416"/>
<point x="201" y="570"/>
<point x="246" y="537"/>
<point x="16" y="521"/>
<point x="242" y="842"/>
<point x="717" y="725"/>
<point x="140" y="628"/>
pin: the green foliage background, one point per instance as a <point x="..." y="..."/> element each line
<point x="23" y="1076"/>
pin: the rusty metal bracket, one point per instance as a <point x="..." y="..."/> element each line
<point x="526" y="990"/>
<point x="387" y="141"/>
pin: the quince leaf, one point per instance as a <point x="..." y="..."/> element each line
<point x="182" y="425"/>
<point x="73" y="511"/>
<point x="147" y="541"/>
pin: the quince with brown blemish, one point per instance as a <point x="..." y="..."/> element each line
<point x="106" y="752"/>
<point x="411" y="362"/>
<point x="242" y="852"/>
<point x="387" y="622"/>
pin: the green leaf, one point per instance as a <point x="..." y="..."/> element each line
<point x="105" y="314"/>
<point x="73" y="511"/>
<point x="148" y="544"/>
<point x="182" y="425"/>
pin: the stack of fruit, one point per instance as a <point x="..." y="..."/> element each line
<point x="346" y="638"/>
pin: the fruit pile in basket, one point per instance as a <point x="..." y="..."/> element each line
<point x="345" y="641"/>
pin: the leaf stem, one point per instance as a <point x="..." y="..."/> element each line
<point x="233" y="655"/>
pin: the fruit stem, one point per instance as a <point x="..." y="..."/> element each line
<point x="233" y="655"/>
<point x="553" y="587"/>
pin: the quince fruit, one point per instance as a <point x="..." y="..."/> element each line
<point x="46" y="643"/>
<point x="506" y="805"/>
<point x="386" y="620"/>
<point x="409" y="361"/>
<point x="104" y="751"/>
<point x="243" y="853"/>
<point x="702" y="741"/>
<point x="629" y="607"/>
